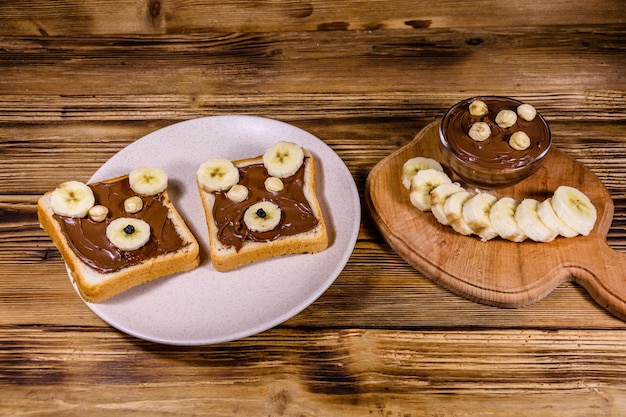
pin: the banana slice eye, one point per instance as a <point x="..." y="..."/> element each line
<point x="262" y="217"/>
<point x="128" y="233"/>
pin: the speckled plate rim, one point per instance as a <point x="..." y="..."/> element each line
<point x="204" y="306"/>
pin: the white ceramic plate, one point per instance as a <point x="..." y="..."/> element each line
<point x="204" y="306"/>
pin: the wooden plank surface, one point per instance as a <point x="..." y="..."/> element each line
<point x="76" y="17"/>
<point x="80" y="80"/>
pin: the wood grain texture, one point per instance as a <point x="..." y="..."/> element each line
<point x="345" y="372"/>
<point x="81" y="80"/>
<point x="75" y="17"/>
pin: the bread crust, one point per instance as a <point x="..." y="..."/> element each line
<point x="95" y="286"/>
<point x="226" y="258"/>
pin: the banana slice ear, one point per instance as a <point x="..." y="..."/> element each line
<point x="72" y="199"/>
<point x="147" y="180"/>
<point x="283" y="159"/>
<point x="217" y="174"/>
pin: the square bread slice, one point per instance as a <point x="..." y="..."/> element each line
<point x="301" y="229"/>
<point x="101" y="270"/>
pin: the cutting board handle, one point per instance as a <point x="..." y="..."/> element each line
<point x="603" y="275"/>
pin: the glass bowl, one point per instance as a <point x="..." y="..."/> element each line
<point x="492" y="161"/>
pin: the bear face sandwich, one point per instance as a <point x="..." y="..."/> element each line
<point x="118" y="233"/>
<point x="261" y="207"/>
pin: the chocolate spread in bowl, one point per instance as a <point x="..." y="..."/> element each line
<point x="297" y="215"/>
<point x="492" y="161"/>
<point x="88" y="238"/>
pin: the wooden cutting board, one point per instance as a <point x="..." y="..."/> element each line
<point x="498" y="272"/>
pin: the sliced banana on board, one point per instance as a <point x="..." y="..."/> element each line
<point x="262" y="216"/>
<point x="413" y="165"/>
<point x="128" y="233"/>
<point x="502" y="216"/>
<point x="568" y="213"/>
<point x="438" y="197"/>
<point x="453" y="210"/>
<point x="217" y="174"/>
<point x="528" y="220"/>
<point x="476" y="215"/>
<point x="72" y="199"/>
<point x="283" y="159"/>
<point x="575" y="209"/>
<point x="552" y="220"/>
<point x="423" y="183"/>
<point x="147" y="181"/>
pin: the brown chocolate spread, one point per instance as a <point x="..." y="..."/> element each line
<point x="297" y="216"/>
<point x="495" y="152"/>
<point x="88" y="238"/>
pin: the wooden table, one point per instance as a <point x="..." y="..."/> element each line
<point x="81" y="80"/>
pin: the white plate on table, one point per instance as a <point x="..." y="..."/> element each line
<point x="204" y="306"/>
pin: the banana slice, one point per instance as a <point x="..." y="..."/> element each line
<point x="502" y="216"/>
<point x="147" y="180"/>
<point x="217" y="174"/>
<point x="262" y="216"/>
<point x="128" y="233"/>
<point x="413" y="165"/>
<point x="423" y="183"/>
<point x="283" y="159"/>
<point x="453" y="210"/>
<point x="548" y="216"/>
<point x="574" y="208"/>
<point x="528" y="220"/>
<point x="438" y="197"/>
<point x="72" y="199"/>
<point x="476" y="215"/>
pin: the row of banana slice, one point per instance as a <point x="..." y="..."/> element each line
<point x="568" y="212"/>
